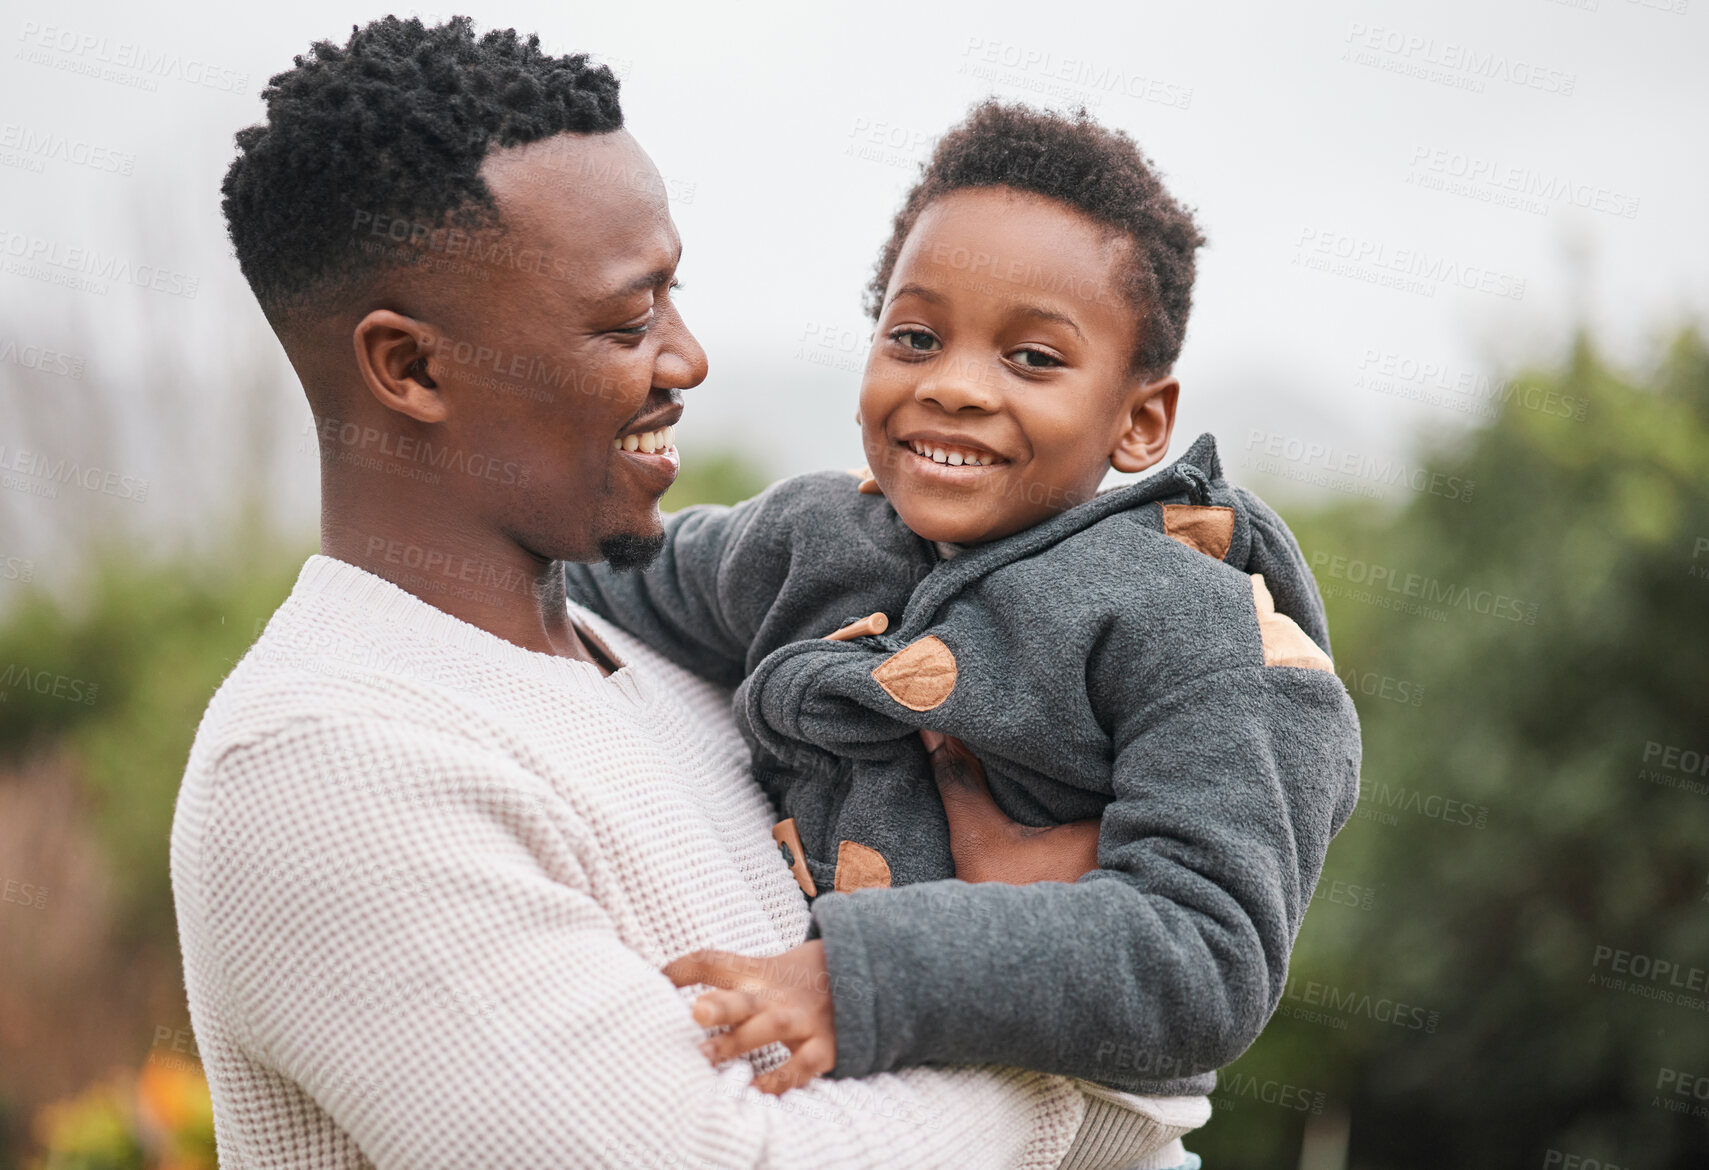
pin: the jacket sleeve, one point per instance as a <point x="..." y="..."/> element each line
<point x="1165" y="963"/>
<point x="702" y="600"/>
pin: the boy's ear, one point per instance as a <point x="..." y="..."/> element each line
<point x="1148" y="418"/>
<point x="393" y="353"/>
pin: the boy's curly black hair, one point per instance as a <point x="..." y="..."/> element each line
<point x="396" y="123"/>
<point x="1094" y="170"/>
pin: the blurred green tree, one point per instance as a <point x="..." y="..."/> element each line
<point x="1522" y="891"/>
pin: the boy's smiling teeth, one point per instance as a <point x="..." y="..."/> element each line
<point x="952" y="455"/>
<point x="649" y="442"/>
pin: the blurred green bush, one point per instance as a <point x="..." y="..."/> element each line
<point x="1516" y="829"/>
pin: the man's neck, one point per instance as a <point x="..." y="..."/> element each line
<point x="486" y="580"/>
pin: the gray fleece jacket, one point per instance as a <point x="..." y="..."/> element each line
<point x="1118" y="660"/>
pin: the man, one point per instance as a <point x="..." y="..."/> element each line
<point x="438" y="833"/>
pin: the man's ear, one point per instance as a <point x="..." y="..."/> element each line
<point x="1148" y="420"/>
<point x="394" y="353"/>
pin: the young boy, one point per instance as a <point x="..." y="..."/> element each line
<point x="1154" y="657"/>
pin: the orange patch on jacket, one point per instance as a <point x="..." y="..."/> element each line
<point x="860" y="867"/>
<point x="920" y="676"/>
<point x="1208" y="528"/>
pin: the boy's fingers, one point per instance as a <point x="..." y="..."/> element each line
<point x="724" y="1009"/>
<point x="932" y="739"/>
<point x="755" y="1032"/>
<point x="713" y="968"/>
<point x="812" y="1059"/>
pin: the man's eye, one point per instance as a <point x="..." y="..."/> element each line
<point x="636" y="330"/>
<point x="915" y="339"/>
<point x="1036" y="359"/>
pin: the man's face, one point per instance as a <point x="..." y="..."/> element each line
<point x="993" y="395"/>
<point x="560" y="354"/>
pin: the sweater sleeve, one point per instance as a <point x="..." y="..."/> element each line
<point x="421" y="935"/>
<point x="1226" y="796"/>
<point x="702" y="600"/>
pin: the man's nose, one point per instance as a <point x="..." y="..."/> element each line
<point x="681" y="364"/>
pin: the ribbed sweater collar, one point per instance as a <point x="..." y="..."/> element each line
<point x="325" y="578"/>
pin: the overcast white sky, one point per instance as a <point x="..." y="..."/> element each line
<point x="1390" y="133"/>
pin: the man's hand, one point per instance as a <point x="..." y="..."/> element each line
<point x="784" y="998"/>
<point x="990" y="847"/>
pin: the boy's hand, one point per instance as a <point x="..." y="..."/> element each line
<point x="990" y="847"/>
<point x="786" y="998"/>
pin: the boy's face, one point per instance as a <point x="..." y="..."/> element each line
<point x="999" y="389"/>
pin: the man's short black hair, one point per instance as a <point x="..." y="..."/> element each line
<point x="396" y="123"/>
<point x="1098" y="172"/>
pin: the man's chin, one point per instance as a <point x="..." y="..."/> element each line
<point x="628" y="550"/>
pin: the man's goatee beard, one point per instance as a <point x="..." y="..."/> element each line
<point x="628" y="551"/>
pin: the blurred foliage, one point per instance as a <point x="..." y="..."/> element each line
<point x="146" y="649"/>
<point x="1538" y="727"/>
<point x="160" y="1120"/>
<point x="715" y="478"/>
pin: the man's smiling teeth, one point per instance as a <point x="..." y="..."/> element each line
<point x="663" y="439"/>
<point x="954" y="456"/>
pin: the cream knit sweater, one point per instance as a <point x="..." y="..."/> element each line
<point x="425" y="881"/>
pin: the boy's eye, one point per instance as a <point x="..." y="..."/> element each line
<point x="1035" y="359"/>
<point x="915" y="339"/>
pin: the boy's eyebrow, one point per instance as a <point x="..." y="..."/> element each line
<point x="1036" y="312"/>
<point x="1040" y="313"/>
<point x="917" y="290"/>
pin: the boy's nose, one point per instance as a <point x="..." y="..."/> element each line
<point x="959" y="386"/>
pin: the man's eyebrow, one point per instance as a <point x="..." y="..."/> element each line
<point x="645" y="281"/>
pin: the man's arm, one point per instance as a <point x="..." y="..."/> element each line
<point x="1165" y="963"/>
<point x="430" y="932"/>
